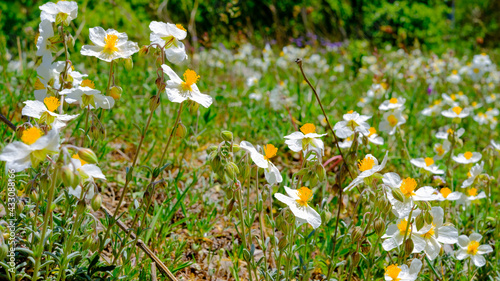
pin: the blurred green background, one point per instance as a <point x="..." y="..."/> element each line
<point x="430" y="24"/>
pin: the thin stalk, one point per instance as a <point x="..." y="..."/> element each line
<point x="408" y="223"/>
<point x="48" y="212"/>
<point x="171" y="134"/>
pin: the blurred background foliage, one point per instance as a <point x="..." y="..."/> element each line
<point x="430" y="24"/>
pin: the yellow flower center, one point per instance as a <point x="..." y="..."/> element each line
<point x="476" y="70"/>
<point x="440" y="150"/>
<point x="393" y="271"/>
<point x="366" y="164"/>
<point x="393" y="100"/>
<point x="455" y="72"/>
<point x="472" y="192"/>
<point x="110" y="41"/>
<point x="428" y="161"/>
<point x="372" y="131"/>
<point x="445" y="192"/>
<point x="468" y="155"/>
<point x="429" y="233"/>
<point x="39" y="85"/>
<point x="269" y="151"/>
<point x="88" y="83"/>
<point x="457" y="110"/>
<point x="407" y="187"/>
<point x="350" y="112"/>
<point x="450" y="131"/>
<point x="362" y="99"/>
<point x="384" y="85"/>
<point x="393" y="121"/>
<point x="453" y="96"/>
<point x="402" y="225"/>
<point x="31" y="135"/>
<point x="474" y="103"/>
<point x="472" y="247"/>
<point x="493" y="97"/>
<point x="308" y="128"/>
<point x="75" y="156"/>
<point x="437" y="102"/>
<point x="190" y="78"/>
<point x="179" y="26"/>
<point x="52" y="103"/>
<point x="469" y="174"/>
<point x="305" y="195"/>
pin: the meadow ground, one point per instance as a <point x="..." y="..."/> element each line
<point x="417" y="135"/>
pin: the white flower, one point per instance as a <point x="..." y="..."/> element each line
<point x="402" y="273"/>
<point x="445" y="134"/>
<point x="436" y="233"/>
<point x="32" y="150"/>
<point x="454" y="77"/>
<point x="87" y="96"/>
<point x="297" y="200"/>
<point x="169" y="36"/>
<point x="373" y="137"/>
<point x="45" y="111"/>
<point x="456" y="112"/>
<point x="492" y="98"/>
<point x="427" y="164"/>
<point x="470" y="247"/>
<point x="395" y="233"/>
<point x="353" y="122"/>
<point x="473" y="173"/>
<point x="306" y="140"/>
<point x="467" y="157"/>
<point x="60" y="12"/>
<point x="392" y="104"/>
<point x="390" y="121"/>
<point x="43" y="44"/>
<point x="446" y="194"/>
<point x="495" y="145"/>
<point x="368" y="166"/>
<point x="441" y="149"/>
<point x="271" y="173"/>
<point x="471" y="196"/>
<point x="179" y="91"/>
<point x="407" y="187"/>
<point x="48" y="78"/>
<point x="109" y="45"/>
<point x="87" y="172"/>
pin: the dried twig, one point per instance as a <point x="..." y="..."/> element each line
<point x="6" y="121"/>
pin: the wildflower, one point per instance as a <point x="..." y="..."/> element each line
<point x="436" y="233"/>
<point x="44" y="42"/>
<point x="470" y="247"/>
<point x="353" y="122"/>
<point x="444" y="135"/>
<point x="45" y="111"/>
<point x="305" y="140"/>
<point x="456" y="112"/>
<point x="109" y="45"/>
<point x="408" y="188"/>
<point x="473" y="173"/>
<point x="402" y="273"/>
<point x="271" y="173"/>
<point x="441" y="149"/>
<point x="495" y="145"/>
<point x="87" y="96"/>
<point x="471" y="196"/>
<point x="347" y="142"/>
<point x="427" y="164"/>
<point x="168" y="35"/>
<point x="392" y="104"/>
<point x="446" y="194"/>
<point x="390" y="121"/>
<point x="298" y="202"/>
<point x="395" y="234"/>
<point x="467" y="157"/>
<point x="492" y="98"/>
<point x="434" y="109"/>
<point x="454" y="77"/>
<point x="179" y="90"/>
<point x="48" y="78"/>
<point x="373" y="137"/>
<point x="368" y="167"/>
<point x="60" y="12"/>
<point x="88" y="172"/>
<point x="33" y="149"/>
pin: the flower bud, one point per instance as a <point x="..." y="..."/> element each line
<point x="379" y="226"/>
<point x="236" y="147"/>
<point x="356" y="234"/>
<point x="87" y="155"/>
<point x="282" y="243"/>
<point x="321" y="172"/>
<point x="96" y="202"/>
<point x="366" y="247"/>
<point x="398" y="195"/>
<point x="326" y="217"/>
<point x="144" y="50"/>
<point x="80" y="207"/>
<point x="129" y="63"/>
<point x="355" y="258"/>
<point x="408" y="246"/>
<point x="230" y="207"/>
<point x="193" y="107"/>
<point x="4" y="250"/>
<point x="232" y="170"/>
<point x="68" y="177"/>
<point x="34" y="196"/>
<point x="115" y="92"/>
<point x="180" y="131"/>
<point x="154" y="102"/>
<point x="227" y="136"/>
<point x="70" y="40"/>
<point x="419" y="221"/>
